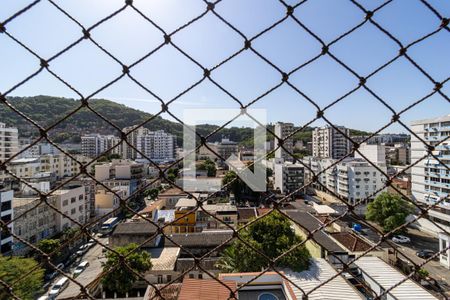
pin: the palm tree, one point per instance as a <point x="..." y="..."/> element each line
<point x="227" y="262"/>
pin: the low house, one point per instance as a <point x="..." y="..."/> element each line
<point x="246" y="214"/>
<point x="140" y="232"/>
<point x="356" y="245"/>
<point x="171" y="196"/>
<point x="321" y="245"/>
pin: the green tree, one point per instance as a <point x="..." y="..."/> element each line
<point x="389" y="211"/>
<point x="209" y="166"/>
<point x="49" y="245"/>
<point x="273" y="236"/>
<point x="119" y="278"/>
<point x="152" y="193"/>
<point x="13" y="268"/>
<point x="234" y="184"/>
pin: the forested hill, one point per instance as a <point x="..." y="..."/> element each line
<point x="46" y="110"/>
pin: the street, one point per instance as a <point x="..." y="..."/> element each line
<point x="95" y="257"/>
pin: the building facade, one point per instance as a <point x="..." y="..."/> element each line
<point x="155" y="145"/>
<point x="93" y="145"/>
<point x="430" y="178"/>
<point x="6" y="214"/>
<point x="289" y="178"/>
<point x="352" y="179"/>
<point x="9" y="142"/>
<point x="327" y="142"/>
<point x="283" y="130"/>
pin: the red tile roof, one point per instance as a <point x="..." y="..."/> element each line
<point x="173" y="191"/>
<point x="246" y="213"/>
<point x="205" y="289"/>
<point x="351" y="241"/>
<point x="263" y="211"/>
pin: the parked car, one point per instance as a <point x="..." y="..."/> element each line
<point x="401" y="239"/>
<point x="425" y="253"/>
<point x="80" y="268"/>
<point x="104" y="249"/>
<point x="82" y="250"/>
<point x="58" y="288"/>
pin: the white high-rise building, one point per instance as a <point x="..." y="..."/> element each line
<point x="9" y="141"/>
<point x="375" y="153"/>
<point x="156" y="145"/>
<point x="93" y="145"/>
<point x="330" y="143"/>
<point x="282" y="130"/>
<point x="354" y="179"/>
<point x="430" y="178"/>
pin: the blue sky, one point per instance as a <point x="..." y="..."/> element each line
<point x="129" y="37"/>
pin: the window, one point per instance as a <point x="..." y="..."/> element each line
<point x="65" y="202"/>
<point x="73" y="200"/>
<point x="200" y="276"/>
<point x="191" y="276"/>
<point x="73" y="211"/>
<point x="5" y="205"/>
<point x="267" y="296"/>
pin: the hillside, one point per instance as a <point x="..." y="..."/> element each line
<point x="46" y="110"/>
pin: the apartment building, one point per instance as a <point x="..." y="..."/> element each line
<point x="398" y="154"/>
<point x="327" y="142"/>
<point x="163" y="146"/>
<point x="289" y="178"/>
<point x="9" y="142"/>
<point x="430" y="178"/>
<point x="106" y="201"/>
<point x="353" y="179"/>
<point x="93" y="145"/>
<point x="119" y="169"/>
<point x="283" y="130"/>
<point x="158" y="145"/>
<point x="60" y="165"/>
<point x="225" y="148"/>
<point x="38" y="149"/>
<point x="6" y="214"/>
<point x="44" y="222"/>
<point x="373" y="152"/>
<point x="32" y="225"/>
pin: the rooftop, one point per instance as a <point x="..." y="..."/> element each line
<point x="164" y="259"/>
<point x="351" y="241"/>
<point x="220" y="207"/>
<point x="318" y="273"/>
<point x="174" y="191"/>
<point x="386" y="276"/>
<point x="186" y="202"/>
<point x="203" y="239"/>
<point x="246" y="213"/>
<point x="25" y="160"/>
<point x="205" y="289"/>
<point x="151" y="207"/>
<point x="137" y="228"/>
<point x="167" y="214"/>
<point x="310" y="223"/>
